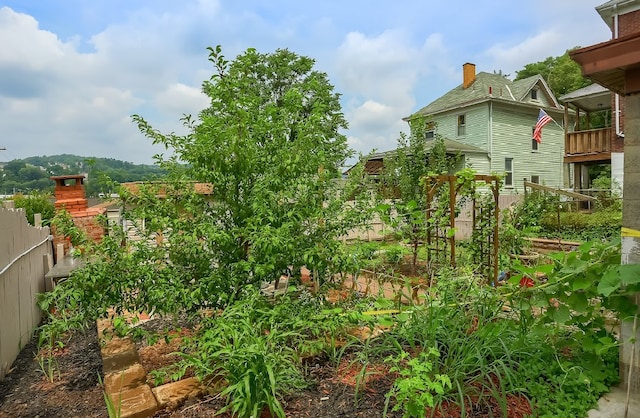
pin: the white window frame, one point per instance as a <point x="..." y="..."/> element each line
<point x="508" y="172"/>
<point x="461" y="123"/>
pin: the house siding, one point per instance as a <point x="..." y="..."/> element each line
<point x="476" y="129"/>
<point x="478" y="162"/>
<point x="512" y="131"/>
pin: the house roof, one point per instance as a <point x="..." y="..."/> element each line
<point x="591" y="98"/>
<point x="608" y="63"/>
<point x="487" y="86"/>
<point x="451" y="146"/>
<point x="374" y="163"/>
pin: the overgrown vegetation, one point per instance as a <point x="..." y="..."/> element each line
<point x="546" y="215"/>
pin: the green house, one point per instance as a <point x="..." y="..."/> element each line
<point x="490" y="120"/>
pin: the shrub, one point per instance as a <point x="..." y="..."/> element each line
<point x="36" y="202"/>
<point x="394" y="255"/>
<point x="582" y="226"/>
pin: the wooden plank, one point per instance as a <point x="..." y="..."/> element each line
<point x="567" y="193"/>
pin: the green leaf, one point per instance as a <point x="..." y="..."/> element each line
<point x="561" y="314"/>
<point x="578" y="301"/>
<point x="610" y="282"/>
<point x="629" y="274"/>
<point x="581" y="283"/>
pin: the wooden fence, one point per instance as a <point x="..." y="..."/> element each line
<point x="25" y="255"/>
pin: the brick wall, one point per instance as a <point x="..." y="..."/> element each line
<point x="629" y="23"/>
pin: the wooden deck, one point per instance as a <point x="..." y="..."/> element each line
<point x="591" y="145"/>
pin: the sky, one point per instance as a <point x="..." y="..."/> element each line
<point x="73" y="72"/>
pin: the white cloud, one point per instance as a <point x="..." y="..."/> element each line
<point x="55" y="99"/>
<point x="380" y="74"/>
<point x="515" y="57"/>
<point x="178" y="99"/>
<point x="381" y="67"/>
<point x="21" y="37"/>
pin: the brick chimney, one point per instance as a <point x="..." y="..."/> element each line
<point x="70" y="196"/>
<point x="69" y="193"/>
<point x="468" y="74"/>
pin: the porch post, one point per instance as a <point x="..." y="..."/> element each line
<point x="630" y="353"/>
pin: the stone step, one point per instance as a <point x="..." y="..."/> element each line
<point x="138" y="402"/>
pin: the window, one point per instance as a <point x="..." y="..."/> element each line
<point x="461" y="125"/>
<point x="429" y="135"/>
<point x="534" y="94"/>
<point x="508" y="172"/>
<point x="535" y="179"/>
<point x="534" y="143"/>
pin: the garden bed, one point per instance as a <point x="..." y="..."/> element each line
<point x="26" y="392"/>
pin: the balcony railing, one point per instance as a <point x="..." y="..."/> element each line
<point x="591" y="142"/>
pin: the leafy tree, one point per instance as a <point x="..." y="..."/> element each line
<point x="31" y="173"/>
<point x="270" y="147"/>
<point x="403" y="177"/>
<point x="562" y="74"/>
<point x="12" y="168"/>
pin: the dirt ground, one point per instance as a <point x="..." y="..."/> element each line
<point x="27" y="392"/>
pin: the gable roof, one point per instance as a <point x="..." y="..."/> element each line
<point x="487" y="86"/>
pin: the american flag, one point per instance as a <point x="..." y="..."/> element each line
<point x="543" y="119"/>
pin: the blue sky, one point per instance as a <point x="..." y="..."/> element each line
<point x="72" y="72"/>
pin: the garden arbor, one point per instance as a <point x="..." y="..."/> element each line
<point x="445" y="195"/>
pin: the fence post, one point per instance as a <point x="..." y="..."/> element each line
<point x="37" y="220"/>
<point x="47" y="261"/>
<point x="59" y="252"/>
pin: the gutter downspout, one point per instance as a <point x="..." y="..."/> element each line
<point x="490" y="131"/>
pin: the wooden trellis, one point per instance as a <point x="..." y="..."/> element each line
<point x="441" y="237"/>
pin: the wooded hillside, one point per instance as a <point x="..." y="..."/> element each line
<point x="29" y="174"/>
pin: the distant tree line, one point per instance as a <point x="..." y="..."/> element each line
<point x="33" y="174"/>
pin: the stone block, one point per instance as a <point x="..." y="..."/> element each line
<point x="118" y="354"/>
<point x="135" y="403"/>
<point x="175" y="393"/>
<point x="128" y="378"/>
<point x="103" y="324"/>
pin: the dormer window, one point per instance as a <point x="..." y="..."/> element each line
<point x="534" y="94"/>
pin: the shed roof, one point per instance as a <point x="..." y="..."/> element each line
<point x="591" y="98"/>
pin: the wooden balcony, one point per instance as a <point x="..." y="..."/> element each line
<point x="591" y="145"/>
